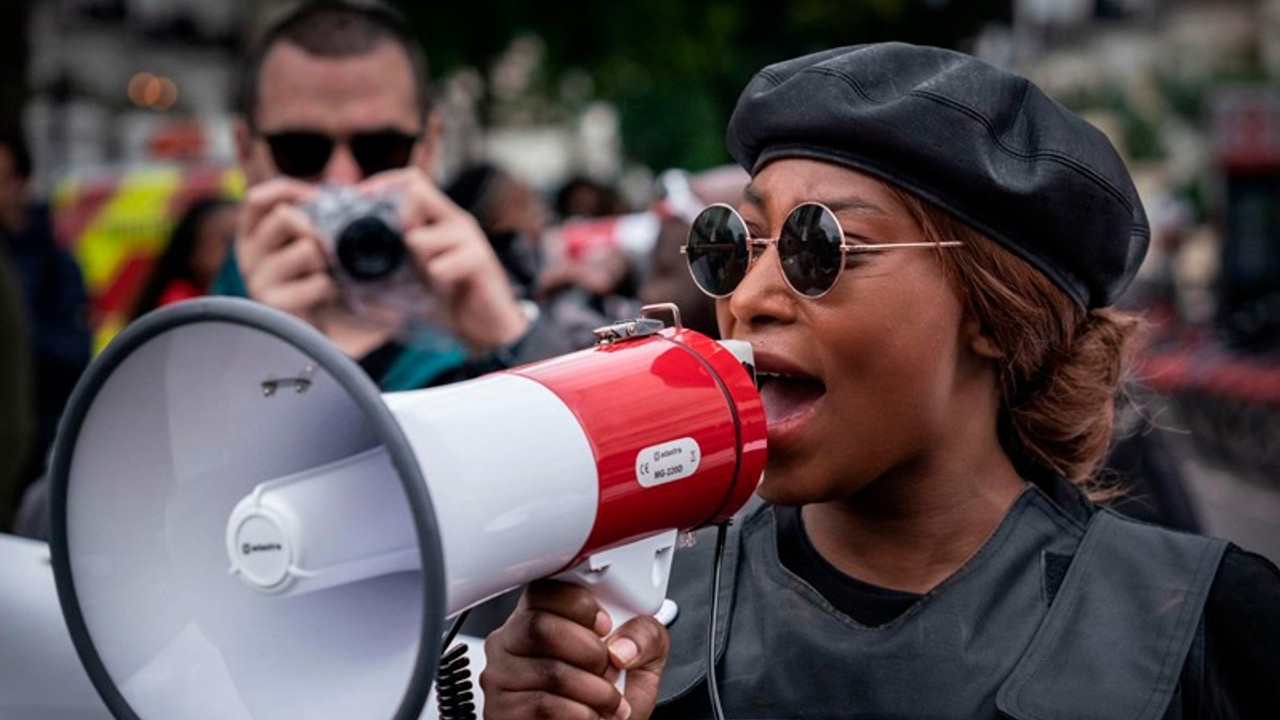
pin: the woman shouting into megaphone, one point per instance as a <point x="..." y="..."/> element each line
<point x="924" y="262"/>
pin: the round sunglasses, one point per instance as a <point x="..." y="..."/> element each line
<point x="811" y="249"/>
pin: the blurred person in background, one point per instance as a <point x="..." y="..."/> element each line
<point x="191" y="258"/>
<point x="17" y="415"/>
<point x="597" y="263"/>
<point x="53" y="294"/>
<point x="509" y="212"/>
<point x="513" y="217"/>
<point x="669" y="282"/>
<point x="335" y="93"/>
<point x="668" y="279"/>
<point x="582" y="197"/>
<point x="195" y="251"/>
<point x="603" y="279"/>
<point x="590" y="255"/>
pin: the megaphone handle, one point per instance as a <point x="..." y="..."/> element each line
<point x="629" y="580"/>
<point x="619" y="616"/>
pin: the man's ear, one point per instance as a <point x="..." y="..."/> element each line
<point x="424" y="152"/>
<point x="980" y="341"/>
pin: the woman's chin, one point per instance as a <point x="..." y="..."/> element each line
<point x="779" y="492"/>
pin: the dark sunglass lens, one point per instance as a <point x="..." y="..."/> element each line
<point x="717" y="250"/>
<point x="379" y="151"/>
<point x="300" y="154"/>
<point x="809" y="246"/>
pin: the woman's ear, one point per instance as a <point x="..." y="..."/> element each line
<point x="980" y="342"/>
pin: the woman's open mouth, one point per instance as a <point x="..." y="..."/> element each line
<point x="788" y="398"/>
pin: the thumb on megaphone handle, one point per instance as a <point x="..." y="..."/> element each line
<point x="629" y="580"/>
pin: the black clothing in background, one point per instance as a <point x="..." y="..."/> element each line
<point x="1145" y="467"/>
<point x="17" y="425"/>
<point x="57" y="324"/>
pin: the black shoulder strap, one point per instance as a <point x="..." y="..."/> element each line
<point x="1113" y="643"/>
<point x="691" y="589"/>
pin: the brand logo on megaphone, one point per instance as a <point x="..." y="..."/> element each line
<point x="248" y="548"/>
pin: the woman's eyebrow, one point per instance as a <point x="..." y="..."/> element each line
<point x="852" y="203"/>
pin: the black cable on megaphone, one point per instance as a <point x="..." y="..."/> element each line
<point x="244" y="527"/>
<point x="455" y="689"/>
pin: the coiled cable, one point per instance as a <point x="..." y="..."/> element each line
<point x="455" y="694"/>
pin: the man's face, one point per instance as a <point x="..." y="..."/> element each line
<point x="338" y="98"/>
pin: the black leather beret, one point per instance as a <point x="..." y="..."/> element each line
<point x="984" y="144"/>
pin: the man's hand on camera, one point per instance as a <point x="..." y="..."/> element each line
<point x="281" y="260"/>
<point x="285" y="265"/>
<point x="456" y="261"/>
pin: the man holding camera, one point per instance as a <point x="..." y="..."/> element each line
<point x="336" y="107"/>
<point x="335" y="96"/>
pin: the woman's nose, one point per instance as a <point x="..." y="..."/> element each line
<point x="763" y="295"/>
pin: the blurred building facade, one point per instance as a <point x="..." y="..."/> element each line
<point x="121" y="83"/>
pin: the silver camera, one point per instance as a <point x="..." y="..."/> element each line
<point x="366" y="249"/>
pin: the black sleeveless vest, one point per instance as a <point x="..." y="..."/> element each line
<point x="983" y="644"/>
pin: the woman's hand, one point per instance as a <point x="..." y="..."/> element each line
<point x="556" y="658"/>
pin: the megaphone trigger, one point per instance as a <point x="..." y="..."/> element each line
<point x="629" y="580"/>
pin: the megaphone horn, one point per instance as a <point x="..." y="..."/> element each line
<point x="244" y="527"/>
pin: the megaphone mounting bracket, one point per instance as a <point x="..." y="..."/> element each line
<point x="300" y="383"/>
<point x="640" y="327"/>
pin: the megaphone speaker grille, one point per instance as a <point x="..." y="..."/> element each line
<point x="187" y="411"/>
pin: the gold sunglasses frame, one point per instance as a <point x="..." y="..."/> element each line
<point x="761" y="244"/>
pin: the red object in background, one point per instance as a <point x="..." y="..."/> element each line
<point x="116" y="222"/>
<point x="117" y="298"/>
<point x="635" y="233"/>
<point x="178" y="290"/>
<point x="1200" y="365"/>
<point x="179" y="140"/>
<point x="1244" y="129"/>
<point x="581" y="237"/>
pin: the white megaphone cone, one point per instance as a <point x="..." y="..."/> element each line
<point x="244" y="527"/>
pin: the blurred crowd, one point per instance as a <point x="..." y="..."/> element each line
<point x="526" y="271"/>
<point x="579" y="256"/>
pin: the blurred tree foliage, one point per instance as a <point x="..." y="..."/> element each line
<point x="13" y="63"/>
<point x="674" y="68"/>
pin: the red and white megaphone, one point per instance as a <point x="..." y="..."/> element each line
<point x="244" y="527"/>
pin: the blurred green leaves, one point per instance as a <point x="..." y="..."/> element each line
<point x="674" y="68"/>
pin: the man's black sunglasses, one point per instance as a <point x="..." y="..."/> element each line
<point x="304" y="154"/>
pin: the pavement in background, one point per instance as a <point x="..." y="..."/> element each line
<point x="1243" y="510"/>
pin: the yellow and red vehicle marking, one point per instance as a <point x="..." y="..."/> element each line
<point x="115" y="223"/>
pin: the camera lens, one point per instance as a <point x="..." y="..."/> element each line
<point x="368" y="249"/>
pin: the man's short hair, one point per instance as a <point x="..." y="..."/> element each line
<point x="16" y="144"/>
<point x="333" y="29"/>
